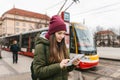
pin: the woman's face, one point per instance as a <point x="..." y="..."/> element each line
<point x="60" y="35"/>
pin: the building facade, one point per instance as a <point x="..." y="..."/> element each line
<point x="16" y="21"/>
<point x="106" y="38"/>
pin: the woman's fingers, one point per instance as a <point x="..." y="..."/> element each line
<point x="64" y="62"/>
<point x="76" y="62"/>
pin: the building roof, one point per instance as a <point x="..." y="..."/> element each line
<point x="105" y="32"/>
<point x="26" y="13"/>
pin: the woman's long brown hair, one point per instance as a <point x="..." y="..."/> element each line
<point x="58" y="51"/>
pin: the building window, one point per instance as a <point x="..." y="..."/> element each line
<point x="17" y="24"/>
<point x="43" y="25"/>
<point x="42" y="21"/>
<point x="17" y="29"/>
<point x="30" y="29"/>
<point x="4" y="30"/>
<point x="24" y="24"/>
<point x="34" y="25"/>
<point x="16" y="17"/>
<point x="47" y="22"/>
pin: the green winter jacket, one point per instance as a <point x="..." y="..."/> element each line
<point x="47" y="71"/>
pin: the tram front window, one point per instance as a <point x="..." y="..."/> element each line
<point x="85" y="40"/>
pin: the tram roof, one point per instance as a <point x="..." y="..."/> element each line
<point x="28" y="32"/>
<point x="37" y="30"/>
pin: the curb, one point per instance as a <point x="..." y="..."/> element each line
<point x="109" y="59"/>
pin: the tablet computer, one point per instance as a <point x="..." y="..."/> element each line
<point x="74" y="58"/>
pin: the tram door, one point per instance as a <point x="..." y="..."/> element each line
<point x="24" y="45"/>
<point x="73" y="43"/>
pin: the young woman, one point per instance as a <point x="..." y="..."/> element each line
<point x="51" y="53"/>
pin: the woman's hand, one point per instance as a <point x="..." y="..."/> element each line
<point x="76" y="62"/>
<point x="64" y="62"/>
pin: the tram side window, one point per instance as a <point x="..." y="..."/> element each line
<point x="25" y="42"/>
<point x="72" y="41"/>
<point x="32" y="43"/>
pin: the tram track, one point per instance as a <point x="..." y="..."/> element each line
<point x="106" y="70"/>
<point x="97" y="76"/>
<point x="111" y="59"/>
<point x="115" y="62"/>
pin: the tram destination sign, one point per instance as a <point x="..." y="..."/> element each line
<point x="66" y="16"/>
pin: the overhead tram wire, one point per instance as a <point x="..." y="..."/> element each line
<point x="96" y="9"/>
<point x="62" y="7"/>
<point x="110" y="10"/>
<point x="105" y="11"/>
<point x="71" y="4"/>
<point x="68" y="6"/>
<point x="54" y="5"/>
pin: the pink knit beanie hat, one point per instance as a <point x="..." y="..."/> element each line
<point x="56" y="24"/>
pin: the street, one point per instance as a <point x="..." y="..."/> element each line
<point x="108" y="67"/>
<point x="21" y="71"/>
<point x="106" y="70"/>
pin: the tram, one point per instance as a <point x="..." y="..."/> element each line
<point x="78" y="40"/>
<point x="82" y="42"/>
<point x="26" y="41"/>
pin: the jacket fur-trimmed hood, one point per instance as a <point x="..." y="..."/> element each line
<point x="40" y="38"/>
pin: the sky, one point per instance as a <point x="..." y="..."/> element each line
<point x="105" y="13"/>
